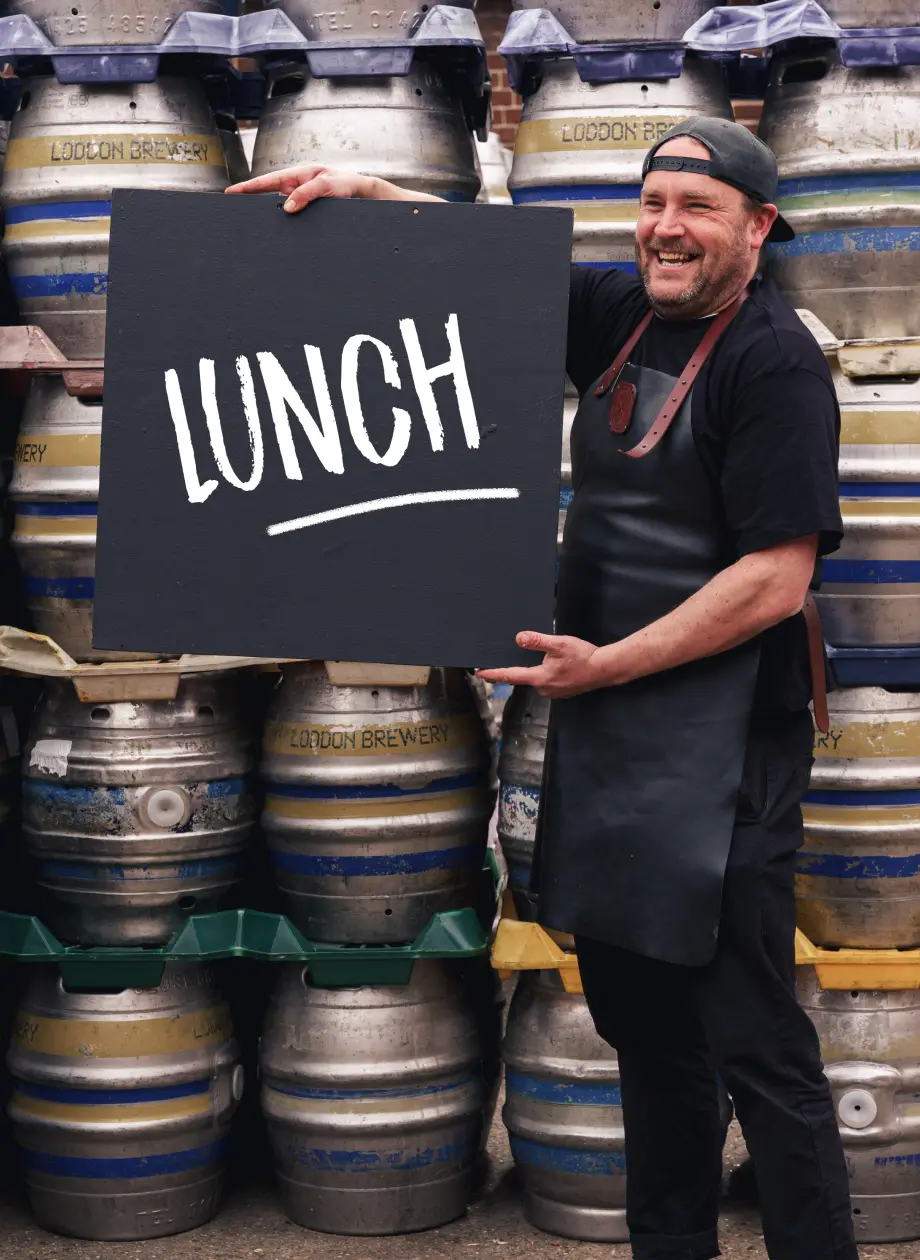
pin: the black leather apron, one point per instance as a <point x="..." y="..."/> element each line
<point x="642" y="780"/>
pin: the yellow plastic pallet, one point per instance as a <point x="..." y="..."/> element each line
<point x="889" y="969"/>
<point x="528" y="947"/>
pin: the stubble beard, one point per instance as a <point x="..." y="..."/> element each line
<point x="708" y="293"/>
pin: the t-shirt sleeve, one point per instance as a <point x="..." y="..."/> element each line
<point x="602" y="304"/>
<point x="779" y="477"/>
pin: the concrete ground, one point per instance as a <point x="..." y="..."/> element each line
<point x="251" y="1224"/>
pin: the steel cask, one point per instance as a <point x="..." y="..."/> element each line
<point x="849" y="167"/>
<point x="110" y="22"/>
<point x="582" y="145"/>
<point x="563" y="1113"/>
<point x="374" y="1100"/>
<point x="137" y="814"/>
<point x="55" y="489"/>
<point x="872" y="13"/>
<point x="70" y="146"/>
<point x="597" y="21"/>
<point x="858" y="875"/>
<point x="377" y="803"/>
<point x="871" y="591"/>
<point x="409" y="130"/>
<point x="520" y="772"/>
<point x="122" y="1104"/>
<point x="363" y="22"/>
<point x="870" y="1045"/>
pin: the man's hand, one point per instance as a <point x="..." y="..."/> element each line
<point x="303" y="184"/>
<point x="567" y="668"/>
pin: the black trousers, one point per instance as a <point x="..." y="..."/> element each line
<point x="677" y="1030"/>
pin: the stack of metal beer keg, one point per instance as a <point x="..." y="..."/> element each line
<point x="139" y="813"/>
<point x="71" y="146"/>
<point x="136" y="814"/>
<point x="581" y="144"/>
<point x="377" y="807"/>
<point x="850" y="186"/>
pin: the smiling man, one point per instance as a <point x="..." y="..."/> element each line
<point x="705" y="486"/>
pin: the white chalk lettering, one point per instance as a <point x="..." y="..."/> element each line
<point x="402" y="421"/>
<point x="215" y="428"/>
<point x="424" y="377"/>
<point x="197" y="493"/>
<point x="324" y="436"/>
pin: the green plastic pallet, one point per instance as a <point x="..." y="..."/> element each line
<point x="251" y="934"/>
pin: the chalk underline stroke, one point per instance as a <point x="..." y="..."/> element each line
<point x="384" y="505"/>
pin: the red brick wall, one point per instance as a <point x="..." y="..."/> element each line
<point x="492" y="16"/>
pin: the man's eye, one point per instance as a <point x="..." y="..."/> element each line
<point x="698" y="205"/>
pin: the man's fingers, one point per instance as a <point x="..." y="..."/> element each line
<point x="516" y="677"/>
<point x="277" y="181"/>
<point x="535" y="642"/>
<point x="314" y="189"/>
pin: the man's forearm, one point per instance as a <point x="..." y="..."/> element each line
<point x="738" y="604"/>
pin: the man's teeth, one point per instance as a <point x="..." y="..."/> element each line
<point x="673" y="259"/>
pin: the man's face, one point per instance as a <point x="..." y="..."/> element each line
<point x="697" y="240"/>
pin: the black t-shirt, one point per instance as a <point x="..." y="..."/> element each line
<point x="765" y="421"/>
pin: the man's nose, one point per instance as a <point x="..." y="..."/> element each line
<point x="670" y="223"/>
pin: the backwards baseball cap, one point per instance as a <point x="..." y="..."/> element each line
<point x="736" y="157"/>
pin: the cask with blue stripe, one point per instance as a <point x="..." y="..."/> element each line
<point x="70" y="147"/>
<point x="849" y="165"/>
<point x="563" y="1113"/>
<point x="374" y="1100"/>
<point x="870" y="1045"/>
<point x="600" y="21"/>
<point x="122" y="1103"/>
<point x="858" y="874"/>
<point x="871" y="591"/>
<point x="581" y="145"/>
<point x="408" y="129"/>
<point x="137" y="813"/>
<point x="377" y="803"/>
<point x="520" y="773"/>
<point x="55" y="490"/>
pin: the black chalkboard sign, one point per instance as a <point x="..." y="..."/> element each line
<point x="330" y="435"/>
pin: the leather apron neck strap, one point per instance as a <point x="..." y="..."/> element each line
<point x="687" y="377"/>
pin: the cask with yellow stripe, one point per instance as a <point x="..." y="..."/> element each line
<point x="871" y="591"/>
<point x="70" y="147"/>
<point x="858" y="874"/>
<point x="55" y="489"/>
<point x="122" y="1104"/>
<point x="377" y="803"/>
<point x="870" y="1046"/>
<point x="581" y="145"/>
<point x="137" y="814"/>
<point x="375" y="1100"/>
